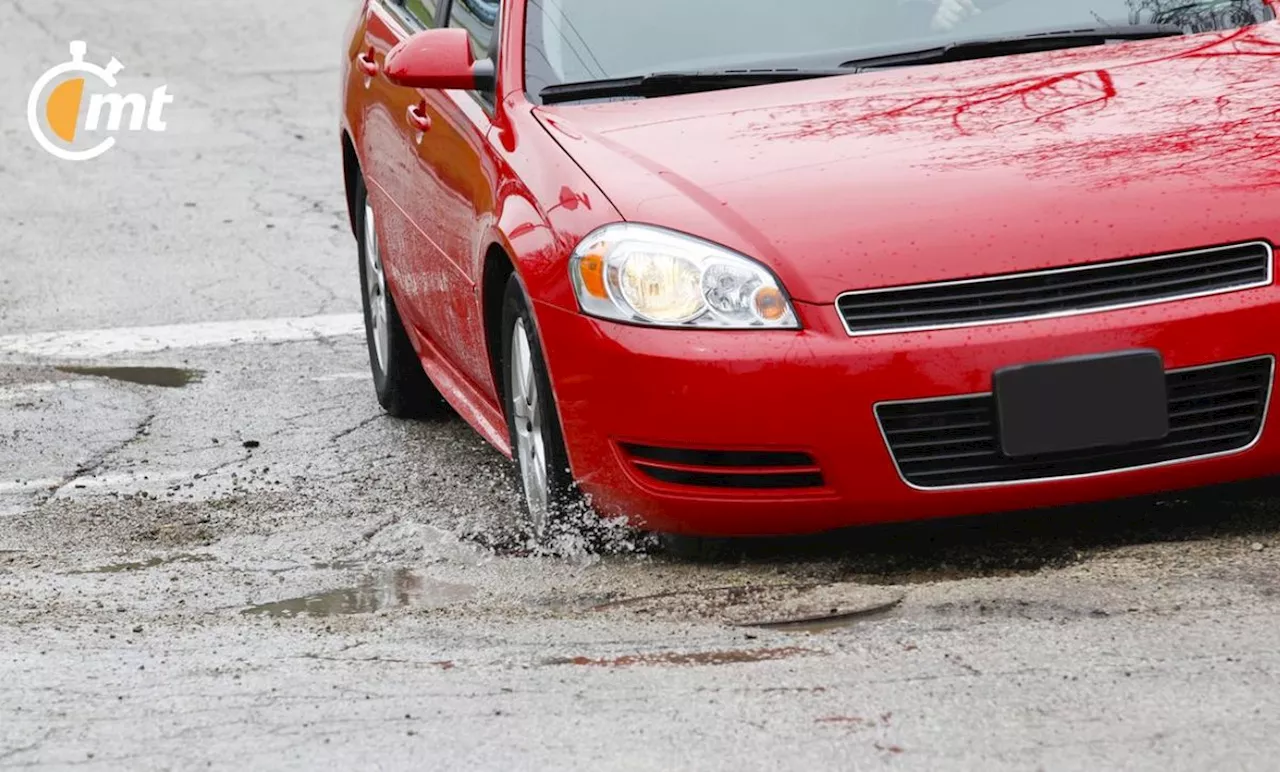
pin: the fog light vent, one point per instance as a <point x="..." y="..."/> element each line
<point x="743" y="469"/>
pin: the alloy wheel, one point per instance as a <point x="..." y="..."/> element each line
<point x="376" y="290"/>
<point x="527" y="408"/>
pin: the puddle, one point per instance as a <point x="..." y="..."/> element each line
<point x="338" y="565"/>
<point x="801" y="607"/>
<point x="165" y="377"/>
<point x="730" y="657"/>
<point x="382" y="590"/>
<point x="142" y="565"/>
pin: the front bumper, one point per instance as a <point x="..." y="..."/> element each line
<point x="814" y="391"/>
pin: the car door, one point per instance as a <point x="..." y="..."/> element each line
<point x="437" y="177"/>
<point x="391" y="153"/>
<point x="464" y="170"/>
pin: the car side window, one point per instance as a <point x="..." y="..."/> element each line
<point x="424" y="11"/>
<point x="480" y="19"/>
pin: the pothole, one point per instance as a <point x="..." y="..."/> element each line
<point x="398" y="588"/>
<point x="723" y="657"/>
<point x="164" y="377"/>
<point x="804" y="607"/>
<point x="142" y="565"/>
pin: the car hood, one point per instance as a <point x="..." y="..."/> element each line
<point x="948" y="171"/>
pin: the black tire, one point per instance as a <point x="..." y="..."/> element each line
<point x="561" y="494"/>
<point x="403" y="389"/>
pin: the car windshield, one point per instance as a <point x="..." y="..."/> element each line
<point x="573" y="41"/>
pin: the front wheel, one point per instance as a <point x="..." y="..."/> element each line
<point x="532" y="420"/>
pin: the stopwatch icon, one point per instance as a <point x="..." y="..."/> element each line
<point x="62" y="106"/>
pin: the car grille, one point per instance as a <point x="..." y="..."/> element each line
<point x="1056" y="292"/>
<point x="952" y="442"/>
<point x="743" y="469"/>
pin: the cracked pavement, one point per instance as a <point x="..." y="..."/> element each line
<point x="225" y="556"/>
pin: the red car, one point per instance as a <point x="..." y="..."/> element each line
<point x="730" y="267"/>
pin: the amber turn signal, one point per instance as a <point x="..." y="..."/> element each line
<point x="591" y="271"/>
<point x="770" y="304"/>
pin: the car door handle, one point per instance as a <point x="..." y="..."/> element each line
<point x="418" y="117"/>
<point x="367" y="64"/>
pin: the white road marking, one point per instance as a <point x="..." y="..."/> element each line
<point x="28" y="486"/>
<point x="118" y="481"/>
<point x="28" y="390"/>
<point x="19" y="492"/>
<point x="91" y="344"/>
<point x="122" y="482"/>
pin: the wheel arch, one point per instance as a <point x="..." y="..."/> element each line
<point x="499" y="266"/>
<point x="350" y="176"/>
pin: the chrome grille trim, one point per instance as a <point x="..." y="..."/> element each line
<point x="1074" y="269"/>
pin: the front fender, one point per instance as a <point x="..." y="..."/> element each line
<point x="545" y="206"/>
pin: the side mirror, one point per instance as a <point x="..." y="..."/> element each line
<point x="439" y="59"/>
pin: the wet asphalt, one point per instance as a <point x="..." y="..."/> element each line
<point x="225" y="556"/>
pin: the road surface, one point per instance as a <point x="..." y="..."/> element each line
<point x="215" y="551"/>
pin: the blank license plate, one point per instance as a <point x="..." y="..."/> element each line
<point x="1081" y="403"/>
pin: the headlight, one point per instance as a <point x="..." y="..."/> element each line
<point x="647" y="275"/>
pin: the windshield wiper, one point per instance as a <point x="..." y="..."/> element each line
<point x="671" y="83"/>
<point x="1021" y="44"/>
